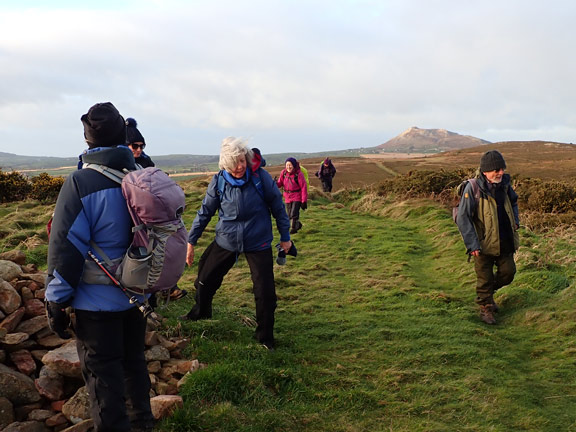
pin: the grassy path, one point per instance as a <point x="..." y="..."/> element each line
<point x="376" y="331"/>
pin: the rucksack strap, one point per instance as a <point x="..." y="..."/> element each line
<point x="254" y="179"/>
<point x="111" y="173"/>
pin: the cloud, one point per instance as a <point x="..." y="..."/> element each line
<point x="296" y="75"/>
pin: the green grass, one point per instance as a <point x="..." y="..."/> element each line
<point x="376" y="329"/>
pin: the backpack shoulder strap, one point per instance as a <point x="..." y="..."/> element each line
<point x="475" y="188"/>
<point x="221" y="183"/>
<point x="111" y="173"/>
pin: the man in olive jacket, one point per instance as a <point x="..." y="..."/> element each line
<point x="488" y="221"/>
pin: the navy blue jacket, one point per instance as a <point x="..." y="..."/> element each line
<point x="90" y="207"/>
<point x="244" y="223"/>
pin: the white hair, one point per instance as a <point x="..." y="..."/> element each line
<point x="232" y="149"/>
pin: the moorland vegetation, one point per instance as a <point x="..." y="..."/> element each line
<point x="376" y="324"/>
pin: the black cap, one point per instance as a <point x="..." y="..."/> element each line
<point x="103" y="126"/>
<point x="491" y="161"/>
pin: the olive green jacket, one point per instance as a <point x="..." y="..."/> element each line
<point x="478" y="219"/>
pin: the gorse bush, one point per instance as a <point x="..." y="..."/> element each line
<point x="45" y="187"/>
<point x="15" y="186"/>
<point x="543" y="204"/>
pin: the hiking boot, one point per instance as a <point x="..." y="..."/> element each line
<point x="487" y="314"/>
<point x="495" y="307"/>
<point x="177" y="293"/>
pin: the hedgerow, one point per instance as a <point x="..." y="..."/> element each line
<point x="15" y="186"/>
<point x="543" y="204"/>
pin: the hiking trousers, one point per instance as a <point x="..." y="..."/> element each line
<point x="488" y="281"/>
<point x="293" y="211"/>
<point x="111" y="350"/>
<point x="326" y="184"/>
<point x="215" y="263"/>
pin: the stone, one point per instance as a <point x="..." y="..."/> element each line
<point x="22" y="411"/>
<point x="57" y="405"/>
<point x="12" y="320"/>
<point x="37" y="354"/>
<point x="39" y="294"/>
<point x="51" y="341"/>
<point x="10" y="300"/>
<point x="166" y="388"/>
<point x="50" y="384"/>
<point x="77" y="408"/>
<point x="83" y="426"/>
<point x="33" y="325"/>
<point x="26" y="294"/>
<point x="29" y="268"/>
<point x="56" y="420"/>
<point x="40" y="415"/>
<point x="34" y="307"/>
<point x="27" y="426"/>
<point x="2" y="356"/>
<point x="6" y="412"/>
<point x="39" y="278"/>
<point x="14" y="255"/>
<point x="17" y="387"/>
<point x="9" y="270"/>
<point x="151" y="338"/>
<point x="64" y="360"/>
<point x="164" y="405"/>
<point x="157" y="352"/>
<point x="23" y="360"/>
<point x="15" y="338"/>
<point x="178" y="368"/>
<point x="154" y="366"/>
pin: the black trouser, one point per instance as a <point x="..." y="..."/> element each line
<point x="293" y="211"/>
<point x="111" y="350"/>
<point x="215" y="264"/>
<point x="487" y="282"/>
<point x="326" y="184"/>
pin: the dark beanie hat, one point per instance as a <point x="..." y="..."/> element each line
<point x="133" y="135"/>
<point x="103" y="126"/>
<point x="492" y="160"/>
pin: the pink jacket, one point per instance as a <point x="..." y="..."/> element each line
<point x="293" y="190"/>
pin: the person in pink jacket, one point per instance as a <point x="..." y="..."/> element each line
<point x="295" y="192"/>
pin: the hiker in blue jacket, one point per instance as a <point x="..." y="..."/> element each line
<point x="489" y="222"/>
<point x="244" y="200"/>
<point x="109" y="329"/>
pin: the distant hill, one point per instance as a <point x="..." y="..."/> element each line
<point x="416" y="140"/>
<point x="171" y="163"/>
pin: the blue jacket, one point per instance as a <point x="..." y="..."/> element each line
<point x="90" y="207"/>
<point x="244" y="223"/>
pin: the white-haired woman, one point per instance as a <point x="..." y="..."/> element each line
<point x="244" y="200"/>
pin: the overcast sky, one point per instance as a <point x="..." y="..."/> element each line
<point x="291" y="75"/>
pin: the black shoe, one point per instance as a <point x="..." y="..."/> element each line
<point x="269" y="345"/>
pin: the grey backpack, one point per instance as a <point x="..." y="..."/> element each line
<point x="156" y="258"/>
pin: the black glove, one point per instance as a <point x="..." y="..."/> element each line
<point x="276" y="179"/>
<point x="58" y="318"/>
<point x="304" y="205"/>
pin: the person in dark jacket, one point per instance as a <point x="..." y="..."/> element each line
<point x="489" y="226"/>
<point x="137" y="144"/>
<point x="326" y="173"/>
<point x="109" y="329"/>
<point x="244" y="200"/>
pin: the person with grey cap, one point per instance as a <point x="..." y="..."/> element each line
<point x="109" y="329"/>
<point x="488" y="221"/>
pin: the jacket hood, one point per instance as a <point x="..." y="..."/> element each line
<point x="119" y="158"/>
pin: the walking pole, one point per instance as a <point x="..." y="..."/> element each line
<point x="146" y="309"/>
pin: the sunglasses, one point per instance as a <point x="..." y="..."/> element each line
<point x="137" y="146"/>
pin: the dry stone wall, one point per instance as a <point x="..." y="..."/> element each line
<point x="41" y="386"/>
